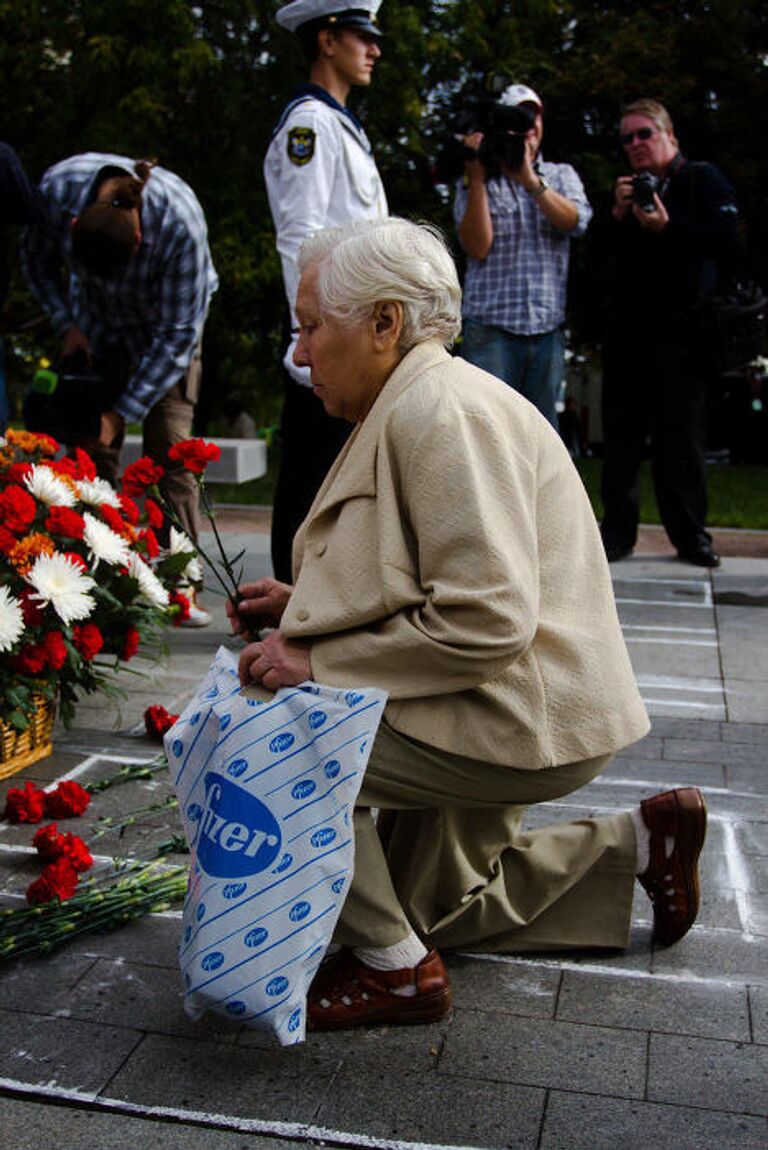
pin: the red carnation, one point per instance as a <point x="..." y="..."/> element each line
<point x="182" y="602"/>
<point x="64" y="466"/>
<point x="194" y="454"/>
<point x="32" y="609"/>
<point x="7" y="540"/>
<point x="31" y="659"/>
<point x="157" y="721"/>
<point x="67" y="800"/>
<point x="17" y="508"/>
<point x="74" y="557"/>
<point x="17" y="472"/>
<point x="88" y="640"/>
<point x="48" y="843"/>
<point x="64" y="521"/>
<point x="140" y="475"/>
<point x="77" y="852"/>
<point x="55" y="649"/>
<point x="130" y="644"/>
<point x="151" y="545"/>
<point x="153" y="513"/>
<point x="86" y="466"/>
<point x="58" y="880"/>
<point x="114" y="519"/>
<point x="130" y="509"/>
<point x="24" y="806"/>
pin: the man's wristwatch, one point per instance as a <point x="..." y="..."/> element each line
<point x="542" y="188"/>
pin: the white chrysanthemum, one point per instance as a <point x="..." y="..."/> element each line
<point x="61" y="581"/>
<point x="103" y="542"/>
<point x="150" y="587"/>
<point x="11" y="619"/>
<point x="48" y="488"/>
<point x="97" y="492"/>
<point x="3" y="441"/>
<point x="179" y="543"/>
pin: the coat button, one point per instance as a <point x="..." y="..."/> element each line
<point x="321" y="549"/>
<point x="302" y="614"/>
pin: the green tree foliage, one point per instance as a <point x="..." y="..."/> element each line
<point x="200" y="86"/>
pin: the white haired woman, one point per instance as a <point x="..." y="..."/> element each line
<point x="452" y="558"/>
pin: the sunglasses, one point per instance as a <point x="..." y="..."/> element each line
<point x="641" y="133"/>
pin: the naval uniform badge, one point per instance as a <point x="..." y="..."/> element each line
<point x="301" y="145"/>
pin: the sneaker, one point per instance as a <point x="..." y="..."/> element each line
<point x="197" y="617"/>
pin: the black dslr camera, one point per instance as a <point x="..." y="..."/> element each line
<point x="504" y="130"/>
<point x="644" y="185"/>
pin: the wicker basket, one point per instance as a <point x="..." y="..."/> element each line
<point x="19" y="749"/>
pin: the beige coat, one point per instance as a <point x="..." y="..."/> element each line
<point x="452" y="558"/>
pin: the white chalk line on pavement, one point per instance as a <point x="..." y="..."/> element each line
<point x="292" y="1131"/>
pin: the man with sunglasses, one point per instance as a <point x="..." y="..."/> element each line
<point x="667" y="249"/>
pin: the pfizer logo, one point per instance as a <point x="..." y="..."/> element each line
<point x="322" y="837"/>
<point x="299" y="911"/>
<point x="194" y="812"/>
<point x="281" y="742"/>
<point x="233" y="890"/>
<point x="316" y="719"/>
<point x="352" y="698"/>
<point x="200" y="912"/>
<point x="332" y="768"/>
<point x="256" y="936"/>
<point x="212" y="961"/>
<point x="277" y="986"/>
<point x="284" y="863"/>
<point x="238" y="835"/>
<point x="338" y="885"/>
<point x="294" y="1021"/>
<point x="177" y="748"/>
<point x="187" y="933"/>
<point x="195" y="719"/>
<point x="212" y="693"/>
<point x="237" y="767"/>
<point x="224" y="722"/>
<point x="236" y="1008"/>
<point x="303" y="789"/>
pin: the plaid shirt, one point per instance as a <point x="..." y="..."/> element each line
<point x="520" y="285"/>
<point x="155" y="310"/>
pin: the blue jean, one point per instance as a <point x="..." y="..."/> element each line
<point x="532" y="364"/>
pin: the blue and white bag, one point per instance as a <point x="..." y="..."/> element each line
<point x="266" y="786"/>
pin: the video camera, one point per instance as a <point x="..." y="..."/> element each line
<point x="504" y="130"/>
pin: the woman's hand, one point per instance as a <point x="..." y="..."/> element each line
<point x="261" y="605"/>
<point x="275" y="662"/>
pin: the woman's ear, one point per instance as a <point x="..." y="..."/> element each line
<point x="387" y="323"/>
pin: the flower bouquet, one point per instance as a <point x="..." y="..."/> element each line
<point x="83" y="580"/>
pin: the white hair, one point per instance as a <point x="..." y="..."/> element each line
<point x="366" y="262"/>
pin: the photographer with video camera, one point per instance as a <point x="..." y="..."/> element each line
<point x="671" y="236"/>
<point x="515" y="215"/>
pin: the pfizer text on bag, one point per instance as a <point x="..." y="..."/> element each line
<point x="266" y="789"/>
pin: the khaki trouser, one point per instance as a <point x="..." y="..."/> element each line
<point x="447" y="856"/>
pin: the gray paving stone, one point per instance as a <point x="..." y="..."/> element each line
<point x="149" y="998"/>
<point x="729" y="1076"/>
<point x="758" y="1005"/>
<point x="745" y="733"/>
<point x="43" y="985"/>
<point x="29" y="1125"/>
<point x="541" y="1053"/>
<point x="709" y="1010"/>
<point x="747" y="700"/>
<point x="750" y="779"/>
<point x="504" y="987"/>
<point x="430" y="1108"/>
<point x="647" y="748"/>
<point x="662" y="775"/>
<point x="704" y="751"/>
<point x="39" y="1050"/>
<point x="153" y="939"/>
<point x="280" y="1084"/>
<point x="662" y="727"/>
<point x="578" y="1121"/>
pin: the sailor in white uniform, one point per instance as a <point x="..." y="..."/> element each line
<point x="319" y="172"/>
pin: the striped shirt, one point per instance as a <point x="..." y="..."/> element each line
<point x="155" y="309"/>
<point x="520" y="286"/>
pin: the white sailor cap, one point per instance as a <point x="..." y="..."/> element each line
<point x="519" y="94"/>
<point x="331" y="13"/>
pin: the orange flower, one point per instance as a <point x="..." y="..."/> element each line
<point x="25" y="552"/>
<point x="29" y="441"/>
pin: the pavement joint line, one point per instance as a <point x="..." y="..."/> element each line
<point x="301" y="1132"/>
<point x="671" y="642"/>
<point x="611" y="971"/>
<point x="666" y="603"/>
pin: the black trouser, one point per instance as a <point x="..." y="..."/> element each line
<point x="653" y="394"/>
<point x="311" y="440"/>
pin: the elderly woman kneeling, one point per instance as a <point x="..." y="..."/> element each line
<point x="452" y="558"/>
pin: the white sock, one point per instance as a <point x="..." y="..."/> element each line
<point x="643" y="839"/>
<point x="406" y="953"/>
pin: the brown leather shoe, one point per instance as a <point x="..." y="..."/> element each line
<point x="345" y="992"/>
<point x="672" y="883"/>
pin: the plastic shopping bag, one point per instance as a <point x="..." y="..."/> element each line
<point x="266" y="786"/>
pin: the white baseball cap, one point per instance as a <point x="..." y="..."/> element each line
<point x="333" y="13"/>
<point x="519" y="94"/>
